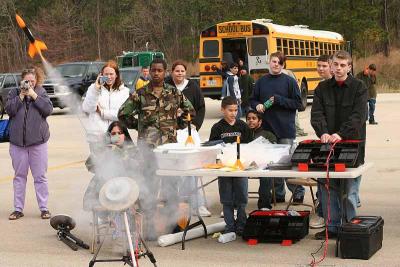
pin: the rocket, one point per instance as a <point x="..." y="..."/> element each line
<point x="238" y="163"/>
<point x="35" y="46"/>
<point x="189" y="139"/>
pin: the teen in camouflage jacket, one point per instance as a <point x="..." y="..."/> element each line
<point x="155" y="119"/>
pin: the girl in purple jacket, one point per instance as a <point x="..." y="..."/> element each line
<point x="28" y="107"/>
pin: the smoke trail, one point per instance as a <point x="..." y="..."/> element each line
<point x="108" y="164"/>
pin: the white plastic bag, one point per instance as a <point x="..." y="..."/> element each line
<point x="183" y="134"/>
<point x="261" y="154"/>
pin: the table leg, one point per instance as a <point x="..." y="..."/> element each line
<point x="196" y="208"/>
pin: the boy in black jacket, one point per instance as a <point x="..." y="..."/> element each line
<point x="227" y="129"/>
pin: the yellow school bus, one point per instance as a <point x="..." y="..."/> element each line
<point x="252" y="41"/>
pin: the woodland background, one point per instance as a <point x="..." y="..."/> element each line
<point x="101" y="29"/>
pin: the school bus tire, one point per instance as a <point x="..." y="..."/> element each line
<point x="303" y="93"/>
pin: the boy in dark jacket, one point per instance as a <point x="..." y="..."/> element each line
<point x="227" y="129"/>
<point x="338" y="113"/>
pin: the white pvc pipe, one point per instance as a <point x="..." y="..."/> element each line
<point x="167" y="240"/>
<point x="128" y="235"/>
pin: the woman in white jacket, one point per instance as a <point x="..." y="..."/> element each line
<point x="103" y="100"/>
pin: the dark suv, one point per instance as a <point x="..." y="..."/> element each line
<point x="76" y="78"/>
<point x="8" y="81"/>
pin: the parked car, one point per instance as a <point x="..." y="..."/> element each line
<point x="130" y="76"/>
<point x="8" y="81"/>
<point x="76" y="78"/>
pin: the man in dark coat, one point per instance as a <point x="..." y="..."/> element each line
<point x="338" y="113"/>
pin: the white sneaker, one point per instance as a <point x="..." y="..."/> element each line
<point x="204" y="212"/>
<point x="317" y="222"/>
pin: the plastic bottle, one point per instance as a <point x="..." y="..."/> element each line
<point x="228" y="237"/>
<point x="268" y="104"/>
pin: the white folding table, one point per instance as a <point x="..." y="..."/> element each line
<point x="349" y="173"/>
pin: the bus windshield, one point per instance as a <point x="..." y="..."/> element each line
<point x="211" y="48"/>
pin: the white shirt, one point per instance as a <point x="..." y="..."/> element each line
<point x="109" y="103"/>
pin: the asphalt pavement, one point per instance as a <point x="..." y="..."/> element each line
<point x="31" y="241"/>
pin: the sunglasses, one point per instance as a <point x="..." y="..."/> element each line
<point x="114" y="133"/>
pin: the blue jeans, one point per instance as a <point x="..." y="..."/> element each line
<point x="371" y="109"/>
<point x="351" y="188"/>
<point x="239" y="113"/>
<point x="264" y="193"/>
<point x="233" y="193"/>
<point x="297" y="191"/>
<point x="319" y="210"/>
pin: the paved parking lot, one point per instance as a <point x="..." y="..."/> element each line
<point x="31" y="241"/>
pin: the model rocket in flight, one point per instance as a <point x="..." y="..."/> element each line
<point x="35" y="46"/>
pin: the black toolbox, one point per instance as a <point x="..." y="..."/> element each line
<point x="276" y="225"/>
<point x="361" y="237"/>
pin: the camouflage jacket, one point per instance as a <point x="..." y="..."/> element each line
<point x="155" y="118"/>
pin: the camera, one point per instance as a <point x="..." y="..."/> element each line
<point x="103" y="79"/>
<point x="25" y="85"/>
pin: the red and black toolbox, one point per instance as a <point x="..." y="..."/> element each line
<point x="276" y="226"/>
<point x="361" y="237"/>
<point x="312" y="154"/>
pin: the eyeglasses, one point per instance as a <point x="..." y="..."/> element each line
<point x="114" y="133"/>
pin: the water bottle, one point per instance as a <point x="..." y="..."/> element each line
<point x="268" y="104"/>
<point x="228" y="237"/>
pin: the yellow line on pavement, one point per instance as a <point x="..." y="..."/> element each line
<point x="53" y="168"/>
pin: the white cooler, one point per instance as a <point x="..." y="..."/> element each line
<point x="175" y="156"/>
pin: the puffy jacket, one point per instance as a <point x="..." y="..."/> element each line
<point x="28" y="125"/>
<point x="109" y="102"/>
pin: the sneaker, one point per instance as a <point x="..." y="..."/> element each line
<point x="265" y="209"/>
<point x="317" y="222"/>
<point x="280" y="200"/>
<point x="373" y="122"/>
<point x="221" y="215"/>
<point x="298" y="200"/>
<point x="321" y="235"/>
<point x="204" y="212"/>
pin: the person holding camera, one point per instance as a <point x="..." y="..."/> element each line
<point x="28" y="107"/>
<point x="102" y="102"/>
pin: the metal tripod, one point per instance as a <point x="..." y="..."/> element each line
<point x="130" y="259"/>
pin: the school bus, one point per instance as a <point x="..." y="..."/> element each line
<point x="252" y="41"/>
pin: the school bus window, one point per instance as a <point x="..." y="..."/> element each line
<point x="285" y="47"/>
<point x="291" y="47"/>
<point x="297" y="47"/>
<point x="326" y="48"/>
<point x="308" y="48"/>
<point x="321" y="49"/>
<point x="302" y="48"/>
<point x="279" y="44"/>
<point x="257" y="46"/>
<point x="330" y="48"/>
<point x="312" y="48"/>
<point x="211" y="48"/>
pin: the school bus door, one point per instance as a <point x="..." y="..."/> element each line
<point x="257" y="49"/>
